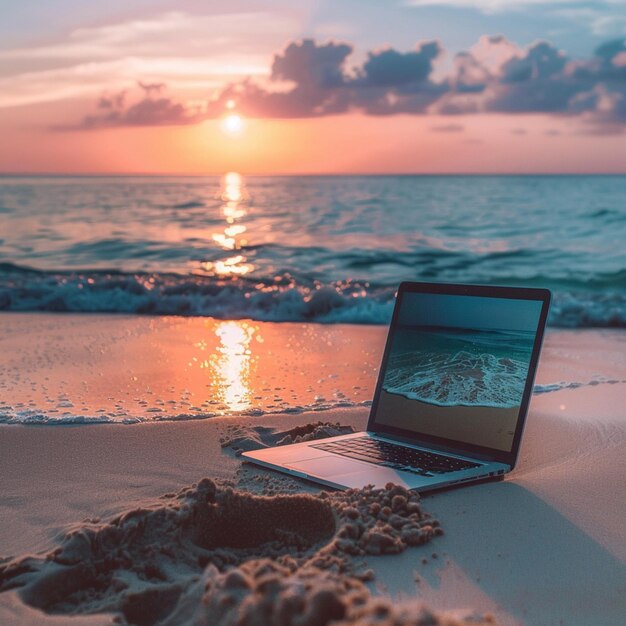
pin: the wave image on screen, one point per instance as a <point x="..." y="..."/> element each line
<point x="467" y="367"/>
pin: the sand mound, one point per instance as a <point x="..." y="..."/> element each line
<point x="244" y="438"/>
<point x="215" y="555"/>
<point x="265" y="593"/>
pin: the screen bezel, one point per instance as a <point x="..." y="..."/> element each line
<point x="450" y="445"/>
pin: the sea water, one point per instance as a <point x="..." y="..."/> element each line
<point x="322" y="249"/>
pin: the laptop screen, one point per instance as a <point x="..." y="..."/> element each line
<point x="457" y="367"/>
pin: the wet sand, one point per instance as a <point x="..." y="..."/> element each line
<point x="127" y="368"/>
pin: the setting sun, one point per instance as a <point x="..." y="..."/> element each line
<point x="232" y="124"/>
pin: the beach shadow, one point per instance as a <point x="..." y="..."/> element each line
<point x="529" y="559"/>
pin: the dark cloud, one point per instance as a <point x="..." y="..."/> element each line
<point x="307" y="64"/>
<point x="534" y="82"/>
<point x="318" y="78"/>
<point x="392" y="69"/>
<point x="603" y="102"/>
<point x="609" y="62"/>
<point x="320" y="83"/>
<point x="308" y="79"/>
<point x="392" y="82"/>
<point x="150" y="110"/>
<point x="541" y="61"/>
<point x="542" y="79"/>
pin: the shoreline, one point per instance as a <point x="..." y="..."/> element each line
<point x="143" y="369"/>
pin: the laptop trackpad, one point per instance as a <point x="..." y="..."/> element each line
<point x="329" y="466"/>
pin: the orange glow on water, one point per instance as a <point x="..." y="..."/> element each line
<point x="232" y="266"/>
<point x="233" y="209"/>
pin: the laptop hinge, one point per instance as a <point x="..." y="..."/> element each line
<point x="429" y="445"/>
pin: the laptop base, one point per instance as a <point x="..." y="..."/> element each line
<point x="304" y="460"/>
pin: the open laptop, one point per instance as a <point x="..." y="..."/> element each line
<point x="451" y="398"/>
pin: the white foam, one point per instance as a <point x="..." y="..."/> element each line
<point x="288" y="300"/>
<point x="464" y="379"/>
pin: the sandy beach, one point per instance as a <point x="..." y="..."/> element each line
<point x="545" y="546"/>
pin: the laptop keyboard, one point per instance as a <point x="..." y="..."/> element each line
<point x="395" y="456"/>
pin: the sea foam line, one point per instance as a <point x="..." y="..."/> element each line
<point x="280" y="298"/>
<point x="35" y="417"/>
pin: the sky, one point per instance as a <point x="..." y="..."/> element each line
<point x="313" y="87"/>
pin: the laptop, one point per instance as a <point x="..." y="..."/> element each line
<point x="452" y="394"/>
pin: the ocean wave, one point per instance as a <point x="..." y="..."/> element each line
<point x="600" y="302"/>
<point x="191" y="204"/>
<point x="460" y="379"/>
<point x="37" y="417"/>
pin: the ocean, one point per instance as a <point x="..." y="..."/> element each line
<point x="326" y="249"/>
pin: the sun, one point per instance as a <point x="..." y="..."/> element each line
<point x="232" y="124"/>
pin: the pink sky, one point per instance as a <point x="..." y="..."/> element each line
<point x="331" y="104"/>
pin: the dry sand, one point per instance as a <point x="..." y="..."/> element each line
<point x="204" y="555"/>
<point x="546" y="546"/>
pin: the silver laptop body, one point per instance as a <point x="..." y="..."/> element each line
<point x="451" y="398"/>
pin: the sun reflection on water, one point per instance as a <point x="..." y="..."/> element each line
<point x="232" y="266"/>
<point x="230" y="238"/>
<point x="233" y="187"/>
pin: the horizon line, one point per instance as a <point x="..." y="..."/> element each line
<point x="290" y="174"/>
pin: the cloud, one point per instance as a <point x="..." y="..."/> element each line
<point x="188" y="52"/>
<point x="390" y="68"/>
<point x="494" y="6"/>
<point x="152" y="109"/>
<point x="491" y="52"/>
<point x="310" y="79"/>
<point x="534" y="82"/>
<point x="608" y="25"/>
<point x="542" y="79"/>
<point x="146" y="112"/>
<point x="151" y="88"/>
<point x="469" y="75"/>
<point x="540" y="61"/>
<point x="308" y="64"/>
<point x="318" y="82"/>
<point x="87" y="80"/>
<point x="252" y="33"/>
<point x="448" y="128"/>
